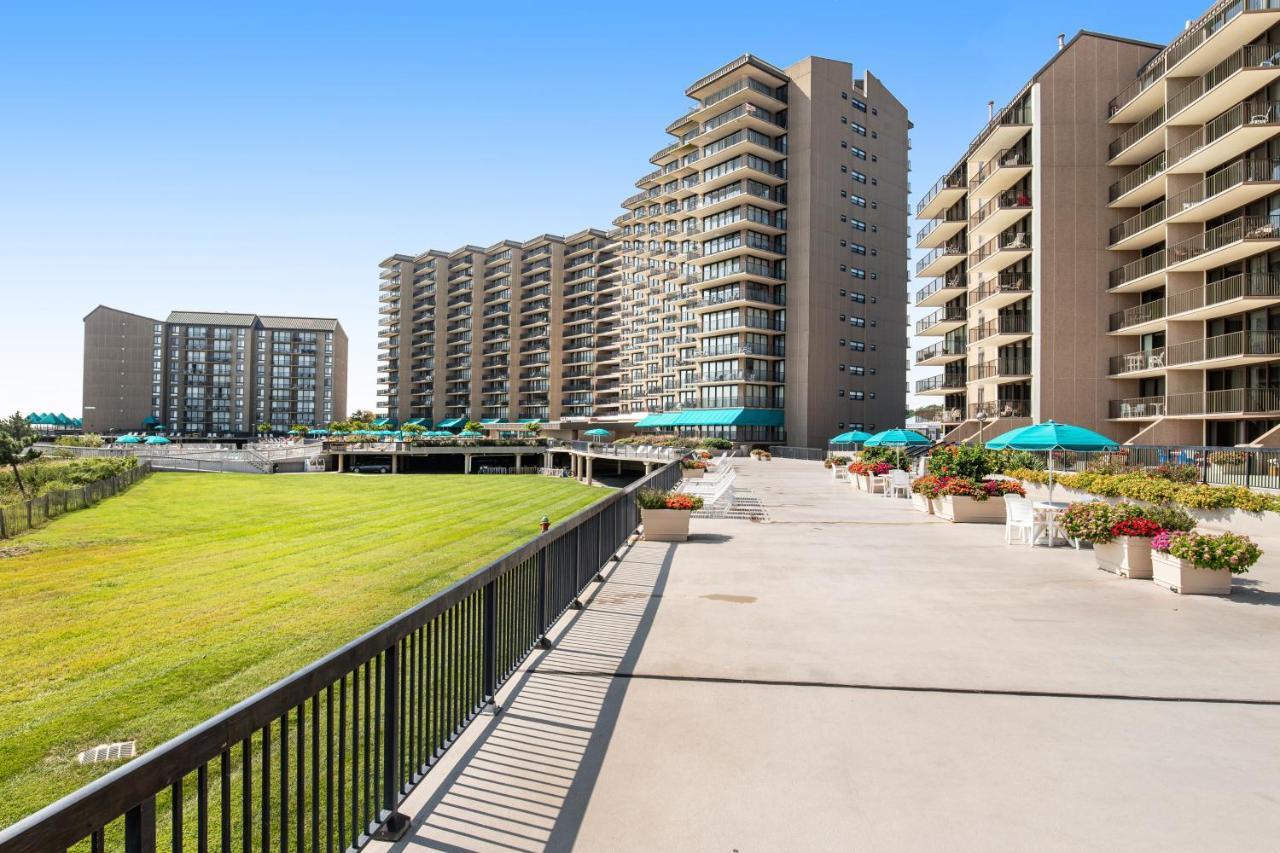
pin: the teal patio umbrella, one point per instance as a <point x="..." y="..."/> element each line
<point x="897" y="438"/>
<point x="470" y="433"/>
<point x="851" y="437"/>
<point x="157" y="439"/>
<point x="598" y="433"/>
<point x="128" y="439"/>
<point x="1050" y="436"/>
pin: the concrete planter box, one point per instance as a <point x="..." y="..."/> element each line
<point x="1127" y="556"/>
<point x="665" y="525"/>
<point x="965" y="510"/>
<point x="692" y="473"/>
<point x="1183" y="577"/>
<point x="921" y="504"/>
<point x="861" y="482"/>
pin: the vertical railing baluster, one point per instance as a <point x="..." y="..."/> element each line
<point x="300" y="782"/>
<point x="490" y="641"/>
<point x="284" y="782"/>
<point x="175" y="817"/>
<point x="394" y="824"/>
<point x="246" y="794"/>
<point x="315" y="773"/>
<point x="328" y="769"/>
<point x="266" y="788"/>
<point x="202" y="808"/>
<point x="140" y="827"/>
<point x="224" y="800"/>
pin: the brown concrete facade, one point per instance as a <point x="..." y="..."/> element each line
<point x="117" y="369"/>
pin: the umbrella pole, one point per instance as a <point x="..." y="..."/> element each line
<point x="1050" y="475"/>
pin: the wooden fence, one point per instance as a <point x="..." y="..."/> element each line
<point x="18" y="517"/>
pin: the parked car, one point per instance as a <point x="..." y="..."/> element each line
<point x="371" y="469"/>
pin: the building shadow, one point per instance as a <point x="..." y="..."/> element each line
<point x="1250" y="591"/>
<point x="526" y="781"/>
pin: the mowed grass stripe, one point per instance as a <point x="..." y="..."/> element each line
<point x="156" y="609"/>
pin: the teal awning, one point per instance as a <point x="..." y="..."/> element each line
<point x="729" y="417"/>
<point x="491" y="421"/>
<point x="422" y="422"/>
<point x="384" y="422"/>
<point x="451" y="423"/>
<point x="530" y="421"/>
<point x="662" y="420"/>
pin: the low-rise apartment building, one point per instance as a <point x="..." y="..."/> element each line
<point x="211" y="373"/>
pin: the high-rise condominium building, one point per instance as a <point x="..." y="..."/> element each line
<point x="516" y="331"/>
<point x="754" y="288"/>
<point x="1105" y="251"/>
<point x="211" y="373"/>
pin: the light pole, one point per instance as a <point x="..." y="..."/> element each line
<point x="982" y="417"/>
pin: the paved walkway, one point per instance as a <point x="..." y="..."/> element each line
<point x="853" y="675"/>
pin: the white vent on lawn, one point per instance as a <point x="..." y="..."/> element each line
<point x="108" y="752"/>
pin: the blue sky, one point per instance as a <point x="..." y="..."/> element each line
<point x="265" y="157"/>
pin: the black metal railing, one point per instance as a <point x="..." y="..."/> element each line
<point x="322" y="759"/>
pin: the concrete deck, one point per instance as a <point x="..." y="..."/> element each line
<point x="854" y="675"/>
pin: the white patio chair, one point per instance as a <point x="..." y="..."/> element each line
<point x="1261" y="118"/>
<point x="898" y="483"/>
<point x="1155" y="359"/>
<point x="1019" y="241"/>
<point x="1020" y="519"/>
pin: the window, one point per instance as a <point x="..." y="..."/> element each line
<point x="859" y="105"/>
<point x="860" y="154"/>
<point x="858" y="129"/>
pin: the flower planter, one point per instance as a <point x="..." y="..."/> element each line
<point x="921" y="503"/>
<point x="1127" y="556"/>
<point x="692" y="473"/>
<point x="1183" y="577"/>
<point x="665" y="525"/>
<point x="965" y="510"/>
<point x="858" y="481"/>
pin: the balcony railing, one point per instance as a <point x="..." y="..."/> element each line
<point x="951" y="282"/>
<point x="1001" y="242"/>
<point x="953" y="247"/>
<point x="1008" y="157"/>
<point x="1144" y="313"/>
<point x="1005" y="282"/>
<point x="932" y="224"/>
<point x="949" y="380"/>
<point x="1233" y="401"/>
<point x="1243" y="228"/>
<point x="1244" y="285"/>
<point x="948" y="314"/>
<point x="1239" y="172"/>
<point x="1247" y="113"/>
<point x="1000" y="409"/>
<point x="1153" y="215"/>
<point x="1010" y="200"/>
<point x="1249" y="56"/>
<point x="997" y="367"/>
<point x="1152" y="263"/>
<point x="1135" y="133"/>
<point x="1137" y="177"/>
<point x="942" y="348"/>
<point x="1230" y="345"/>
<point x="1008" y="324"/>
<point x="953" y="181"/>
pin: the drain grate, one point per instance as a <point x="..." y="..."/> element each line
<point x="108" y="752"/>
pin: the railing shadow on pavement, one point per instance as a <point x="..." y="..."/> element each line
<point x="525" y="783"/>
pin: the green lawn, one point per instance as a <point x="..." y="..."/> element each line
<point x="140" y="617"/>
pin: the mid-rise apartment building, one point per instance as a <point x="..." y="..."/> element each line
<point x="1109" y="261"/>
<point x="211" y="373"/>
<point x="754" y="288"/>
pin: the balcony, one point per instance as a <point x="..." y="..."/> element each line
<point x="1214" y="37"/>
<point x="999" y="370"/>
<point x="1000" y="212"/>
<point x="940" y="322"/>
<point x="1142" y="274"/>
<point x="1229" y="350"/>
<point x="942" y="195"/>
<point x="1139" y="143"/>
<point x="951" y="382"/>
<point x="1140" y="97"/>
<point x="943" y="352"/>
<point x="940" y="291"/>
<point x="1000" y="172"/>
<point x="1237" y="130"/>
<point x="1141" y="231"/>
<point x="938" y="231"/>
<point x="1233" y="295"/>
<point x="1239" y="75"/>
<point x="1000" y="331"/>
<point x="1138" y="320"/>
<point x="1003" y="289"/>
<point x="1226" y="243"/>
<point x="941" y="259"/>
<point x="1000" y="251"/>
<point x="1230" y="403"/>
<point x="1139" y="186"/>
<point x="1000" y="409"/>
<point x="1226" y="190"/>
<point x="1002" y="132"/>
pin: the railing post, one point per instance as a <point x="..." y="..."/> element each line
<point x="1248" y="468"/>
<point x="140" y="827"/>
<point x="491" y="644"/>
<point x="394" y="824"/>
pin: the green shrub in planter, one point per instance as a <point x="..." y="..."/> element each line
<point x="1229" y="551"/>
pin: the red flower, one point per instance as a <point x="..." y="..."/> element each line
<point x="1135" y="527"/>
<point x="680" y="501"/>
